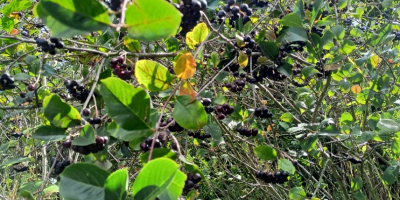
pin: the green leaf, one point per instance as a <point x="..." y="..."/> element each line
<point x="396" y="144"/>
<point x="116" y="185"/>
<point x="172" y="44"/>
<point x="387" y="3"/>
<point x="84" y="15"/>
<point x="216" y="134"/>
<point x="50" y="133"/>
<point x="390" y="175"/>
<point x="346" y="117"/>
<point x="299" y="9"/>
<point x="215" y="58"/>
<point x="7" y="23"/>
<point x="57" y="28"/>
<point x="155" y="177"/>
<point x="152" y="75"/>
<point x="158" y="153"/>
<point x="315" y="10"/>
<point x="294" y="34"/>
<point x="291" y="20"/>
<point x="129" y="107"/>
<point x="17" y="5"/>
<point x="87" y="136"/>
<point x="131" y="44"/>
<point x="388" y="125"/>
<point x="200" y="32"/>
<point x="59" y="113"/>
<point x="287" y="117"/>
<point x="175" y="189"/>
<point x="14" y="161"/>
<point x="338" y="30"/>
<point x="348" y="46"/>
<point x="260" y="36"/>
<point x="269" y="49"/>
<point x="356" y="183"/>
<point x="297" y="193"/>
<point x="286" y="165"/>
<point x="152" y="20"/>
<point x="83" y="181"/>
<point x="189" y="115"/>
<point x="329" y="131"/>
<point x="265" y="152"/>
<point x="126" y="135"/>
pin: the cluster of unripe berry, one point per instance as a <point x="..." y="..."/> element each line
<point x="191" y="182"/>
<point x="246" y="131"/>
<point x="146" y="144"/>
<point x="237" y="85"/>
<point x="190" y="10"/>
<point x="60" y="165"/>
<point x="50" y="47"/>
<point x="197" y="134"/>
<point x="277" y="177"/>
<point x="18" y="168"/>
<point x="6" y="82"/>
<point x="91" y="148"/>
<point x="174" y="127"/>
<point x="262" y="113"/>
<point x="76" y="90"/>
<point x="235" y="12"/>
<point x="120" y="69"/>
<point x="224" y="110"/>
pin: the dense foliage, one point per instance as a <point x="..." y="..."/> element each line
<point x="199" y="99"/>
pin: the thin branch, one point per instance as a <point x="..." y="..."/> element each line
<point x="94" y="85"/>
<point x="321" y="98"/>
<point x="122" y="19"/>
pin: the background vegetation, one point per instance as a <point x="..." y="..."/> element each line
<point x="197" y="99"/>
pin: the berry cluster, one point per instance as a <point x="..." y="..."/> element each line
<point x="266" y="72"/>
<point x="397" y="33"/>
<point x="60" y="165"/>
<point x="224" y="110"/>
<point x="297" y="69"/>
<point x="308" y="6"/>
<point x="277" y="177"/>
<point x="332" y="3"/>
<point x="317" y="30"/>
<point x="259" y="3"/>
<point x="348" y="21"/>
<point x="94" y="120"/>
<point x="191" y="182"/>
<point x="17" y="135"/>
<point x="206" y="103"/>
<point x="290" y="47"/>
<point x="51" y="48"/>
<point x="76" y="90"/>
<point x="190" y="10"/>
<point x="262" y="113"/>
<point x="236" y="86"/>
<point x="174" y="127"/>
<point x="197" y="134"/>
<point x="235" y="13"/>
<point x="121" y="69"/>
<point x="146" y="144"/>
<point x="114" y="5"/>
<point x="20" y="168"/>
<point x="6" y="82"/>
<point x="91" y="148"/>
<point x="247" y="131"/>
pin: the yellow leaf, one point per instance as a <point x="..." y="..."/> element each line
<point x="242" y="60"/>
<point x="356" y="89"/>
<point x="190" y="40"/>
<point x="132" y="44"/>
<point x="262" y="60"/>
<point x="269" y="128"/>
<point x="375" y="60"/>
<point x="264" y="102"/>
<point x="334" y="66"/>
<point x="187" y="89"/>
<point x="200" y="32"/>
<point x="185" y="66"/>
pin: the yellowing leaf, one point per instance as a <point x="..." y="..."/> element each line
<point x="334" y="66"/>
<point x="14" y="31"/>
<point x="269" y="128"/>
<point x="185" y="66"/>
<point x="190" y="40"/>
<point x="264" y="102"/>
<point x="242" y="60"/>
<point x="200" y="32"/>
<point x="375" y="60"/>
<point x="187" y="89"/>
<point x="132" y="44"/>
<point x="356" y="89"/>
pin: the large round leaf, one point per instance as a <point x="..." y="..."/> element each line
<point x="152" y="20"/>
<point x="189" y="115"/>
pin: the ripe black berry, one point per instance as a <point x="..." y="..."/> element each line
<point x="86" y="112"/>
<point x="66" y="143"/>
<point x="22" y="94"/>
<point x="221" y="14"/>
<point x="31" y="87"/>
<point x="244" y="7"/>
